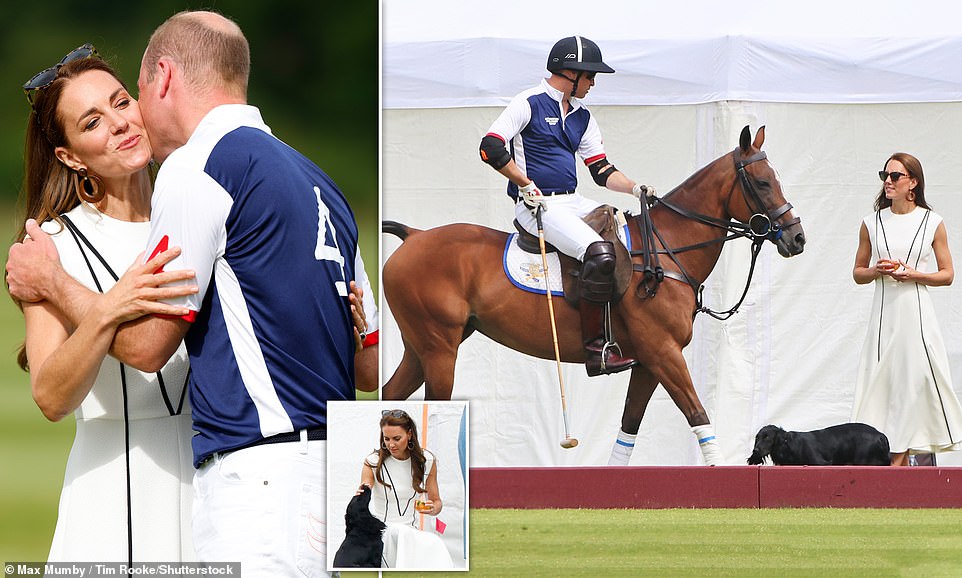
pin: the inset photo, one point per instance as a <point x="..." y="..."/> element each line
<point x="397" y="489"/>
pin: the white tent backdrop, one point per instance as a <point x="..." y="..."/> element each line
<point x="353" y="433"/>
<point x="840" y="86"/>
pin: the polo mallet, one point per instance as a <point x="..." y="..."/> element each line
<point x="569" y="442"/>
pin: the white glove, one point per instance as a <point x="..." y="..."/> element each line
<point x="532" y="196"/>
<point x="638" y="190"/>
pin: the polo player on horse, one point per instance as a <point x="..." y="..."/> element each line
<point x="545" y="127"/>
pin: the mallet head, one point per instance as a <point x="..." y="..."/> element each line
<point x="569" y="443"/>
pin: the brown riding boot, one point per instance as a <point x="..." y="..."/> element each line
<point x="603" y="358"/>
<point x="597" y="283"/>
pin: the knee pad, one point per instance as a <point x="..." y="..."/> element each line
<point x="597" y="272"/>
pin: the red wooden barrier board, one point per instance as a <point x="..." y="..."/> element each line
<point x="716" y="487"/>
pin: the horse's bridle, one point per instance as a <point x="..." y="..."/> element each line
<point x="762" y="225"/>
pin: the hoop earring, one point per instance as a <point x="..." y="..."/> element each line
<point x="410" y="444"/>
<point x="911" y="196"/>
<point x="89" y="187"/>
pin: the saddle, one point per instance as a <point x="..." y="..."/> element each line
<point x="605" y="220"/>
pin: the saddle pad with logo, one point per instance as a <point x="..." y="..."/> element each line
<point x="526" y="271"/>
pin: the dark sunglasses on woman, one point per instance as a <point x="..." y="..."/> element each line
<point x="894" y="174"/>
<point x="45" y="77"/>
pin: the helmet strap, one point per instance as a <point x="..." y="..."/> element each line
<point x="574" y="85"/>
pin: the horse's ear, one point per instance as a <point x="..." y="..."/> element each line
<point x="759" y="138"/>
<point x="744" y="141"/>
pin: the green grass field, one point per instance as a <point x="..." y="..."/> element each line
<point x="724" y="543"/>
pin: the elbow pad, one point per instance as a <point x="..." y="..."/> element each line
<point x="493" y="151"/>
<point x="600" y="171"/>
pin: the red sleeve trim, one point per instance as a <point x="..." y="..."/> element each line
<point x="499" y="137"/>
<point x="160" y="248"/>
<point x="594" y="159"/>
<point x="371" y="339"/>
<point x="189" y="318"/>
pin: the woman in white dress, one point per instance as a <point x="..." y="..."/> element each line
<point x="904" y="386"/>
<point x="404" y="479"/>
<point x="126" y="494"/>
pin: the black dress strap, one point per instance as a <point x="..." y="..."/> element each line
<point x="79" y="237"/>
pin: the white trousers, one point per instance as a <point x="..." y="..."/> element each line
<point x="264" y="507"/>
<point x="562" y="222"/>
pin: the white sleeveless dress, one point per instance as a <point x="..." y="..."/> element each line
<point x="405" y="546"/>
<point x="904" y="386"/>
<point x="92" y="523"/>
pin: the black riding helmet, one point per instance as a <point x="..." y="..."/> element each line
<point x="576" y="53"/>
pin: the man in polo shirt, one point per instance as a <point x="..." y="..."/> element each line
<point x="269" y="333"/>
<point x="273" y="243"/>
<point x="544" y="128"/>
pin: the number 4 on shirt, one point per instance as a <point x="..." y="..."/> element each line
<point x="323" y="251"/>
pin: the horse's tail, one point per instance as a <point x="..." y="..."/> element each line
<point x="399" y="230"/>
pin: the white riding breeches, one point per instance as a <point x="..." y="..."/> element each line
<point x="562" y="221"/>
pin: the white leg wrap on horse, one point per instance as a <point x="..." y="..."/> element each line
<point x="705" y="434"/>
<point x="621" y="451"/>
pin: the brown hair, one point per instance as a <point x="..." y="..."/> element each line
<point x="212" y="52"/>
<point x="397" y="417"/>
<point x="914" y="168"/>
<point x="49" y="186"/>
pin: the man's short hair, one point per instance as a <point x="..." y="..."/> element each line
<point x="210" y="48"/>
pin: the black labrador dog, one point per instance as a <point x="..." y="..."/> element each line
<point x="362" y="544"/>
<point x="848" y="444"/>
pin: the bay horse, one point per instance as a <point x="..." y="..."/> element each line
<point x="445" y="283"/>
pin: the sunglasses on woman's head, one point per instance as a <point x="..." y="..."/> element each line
<point x="894" y="174"/>
<point x="399" y="413"/>
<point x="45" y="77"/>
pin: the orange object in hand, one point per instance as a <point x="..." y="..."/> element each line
<point x="888" y="264"/>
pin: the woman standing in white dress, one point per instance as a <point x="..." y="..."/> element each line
<point x="404" y="480"/>
<point x="904" y="386"/>
<point x="126" y="494"/>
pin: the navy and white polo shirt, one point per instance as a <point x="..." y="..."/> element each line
<point x="273" y="242"/>
<point x="543" y="140"/>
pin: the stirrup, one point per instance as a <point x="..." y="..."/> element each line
<point x="603" y="360"/>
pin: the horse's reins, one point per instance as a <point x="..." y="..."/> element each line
<point x="761" y="226"/>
